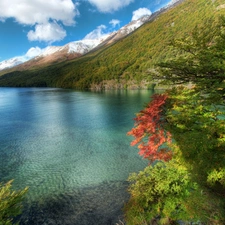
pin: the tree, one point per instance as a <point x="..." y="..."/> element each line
<point x="10" y="203"/>
<point x="200" y="58"/>
<point x="198" y="128"/>
<point x="160" y="193"/>
<point x="150" y="133"/>
<point x="195" y="118"/>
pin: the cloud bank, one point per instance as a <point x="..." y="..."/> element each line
<point x="38" y="11"/>
<point x="110" y="5"/>
<point x="49" y="32"/>
<point x="102" y="30"/>
<point x="137" y="14"/>
<point x="114" y="23"/>
<point x="41" y="13"/>
<point x="32" y="52"/>
<point x="99" y="32"/>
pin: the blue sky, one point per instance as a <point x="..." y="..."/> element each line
<point x="27" y="26"/>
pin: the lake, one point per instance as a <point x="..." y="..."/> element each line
<point x="71" y="149"/>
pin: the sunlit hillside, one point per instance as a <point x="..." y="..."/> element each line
<point x="127" y="63"/>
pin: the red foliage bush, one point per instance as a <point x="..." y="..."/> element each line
<point x="149" y="131"/>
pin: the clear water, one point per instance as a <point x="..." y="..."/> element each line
<point x="72" y="150"/>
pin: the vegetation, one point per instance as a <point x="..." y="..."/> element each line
<point x="149" y="123"/>
<point x="199" y="58"/>
<point x="159" y="193"/>
<point x="130" y="60"/>
<point x="190" y="186"/>
<point x="186" y="177"/>
<point x="10" y="203"/>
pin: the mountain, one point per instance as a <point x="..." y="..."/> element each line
<point x="120" y="61"/>
<point x="55" y="54"/>
<point x="11" y="62"/>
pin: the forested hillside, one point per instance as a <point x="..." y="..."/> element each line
<point x="182" y="134"/>
<point x="130" y="61"/>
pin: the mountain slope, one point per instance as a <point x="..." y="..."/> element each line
<point x="11" y="62"/>
<point x="127" y="62"/>
<point x="55" y="54"/>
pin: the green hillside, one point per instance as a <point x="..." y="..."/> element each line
<point x="127" y="63"/>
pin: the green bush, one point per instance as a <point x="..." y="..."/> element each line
<point x="10" y="203"/>
<point x="159" y="192"/>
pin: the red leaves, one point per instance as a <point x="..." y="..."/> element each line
<point x="149" y="131"/>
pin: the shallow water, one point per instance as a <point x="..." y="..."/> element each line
<point x="71" y="149"/>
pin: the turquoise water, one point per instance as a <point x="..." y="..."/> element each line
<point x="71" y="149"/>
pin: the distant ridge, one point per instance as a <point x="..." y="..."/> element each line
<point x="56" y="54"/>
<point x="119" y="63"/>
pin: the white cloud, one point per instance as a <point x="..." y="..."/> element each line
<point x="97" y="33"/>
<point x="39" y="11"/>
<point x="137" y="14"/>
<point x="49" y="32"/>
<point x="114" y="22"/>
<point x="32" y="52"/>
<point x="172" y="2"/>
<point x="110" y="5"/>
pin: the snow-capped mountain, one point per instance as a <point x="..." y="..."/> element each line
<point x="80" y="47"/>
<point x="133" y="25"/>
<point x="127" y="29"/>
<point x="71" y="50"/>
<point x="52" y="54"/>
<point x="11" y="62"/>
<point x="74" y="49"/>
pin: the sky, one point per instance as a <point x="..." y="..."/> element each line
<point x="28" y="26"/>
